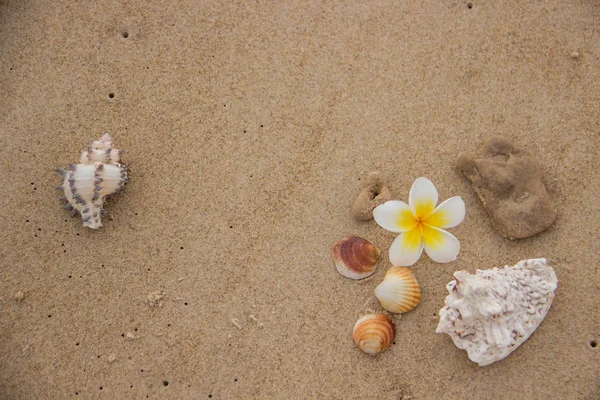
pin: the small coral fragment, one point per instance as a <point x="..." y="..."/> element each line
<point x="19" y="296"/>
<point x="154" y="299"/>
<point x="374" y="193"/>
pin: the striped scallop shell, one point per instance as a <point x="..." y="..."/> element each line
<point x="355" y="257"/>
<point x="373" y="333"/>
<point x="399" y="292"/>
<point x="98" y="175"/>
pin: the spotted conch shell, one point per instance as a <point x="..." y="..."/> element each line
<point x="490" y="314"/>
<point x="98" y="175"/>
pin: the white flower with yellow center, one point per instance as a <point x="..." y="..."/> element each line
<point x="421" y="225"/>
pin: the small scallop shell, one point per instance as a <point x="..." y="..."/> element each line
<point x="373" y="333"/>
<point x="399" y="292"/>
<point x="355" y="257"/>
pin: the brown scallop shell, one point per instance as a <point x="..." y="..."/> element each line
<point x="373" y="333"/>
<point x="355" y="257"/>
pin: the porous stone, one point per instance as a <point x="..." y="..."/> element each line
<point x="374" y="193"/>
<point x="508" y="180"/>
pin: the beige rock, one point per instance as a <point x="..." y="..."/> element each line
<point x="508" y="180"/>
<point x="374" y="193"/>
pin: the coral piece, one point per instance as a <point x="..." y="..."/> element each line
<point x="98" y="175"/>
<point x="375" y="192"/>
<point x="155" y="299"/>
<point x="355" y="257"/>
<point x="493" y="312"/>
<point x="373" y="333"/>
<point x="399" y="292"/>
<point x="508" y="180"/>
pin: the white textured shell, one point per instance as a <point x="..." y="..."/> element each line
<point x="493" y="312"/>
<point x="98" y="175"/>
<point x="399" y="292"/>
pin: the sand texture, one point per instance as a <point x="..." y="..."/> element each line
<point x="249" y="126"/>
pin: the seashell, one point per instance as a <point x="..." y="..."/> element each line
<point x="399" y="292"/>
<point x="490" y="314"/>
<point x="373" y="333"/>
<point x="355" y="257"/>
<point x="374" y="193"/>
<point x="98" y="175"/>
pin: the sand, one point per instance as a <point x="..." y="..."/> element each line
<point x="248" y="127"/>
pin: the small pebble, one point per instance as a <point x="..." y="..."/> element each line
<point x="236" y="323"/>
<point x="154" y="299"/>
<point x="19" y="296"/>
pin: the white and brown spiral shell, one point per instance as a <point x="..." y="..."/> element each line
<point x="98" y="175"/>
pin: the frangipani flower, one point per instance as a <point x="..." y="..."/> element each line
<point x="421" y="225"/>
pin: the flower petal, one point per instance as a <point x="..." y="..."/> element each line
<point x="422" y="198"/>
<point x="395" y="216"/>
<point x="407" y="248"/>
<point x="448" y="214"/>
<point x="440" y="245"/>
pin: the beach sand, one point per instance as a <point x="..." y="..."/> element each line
<point x="249" y="127"/>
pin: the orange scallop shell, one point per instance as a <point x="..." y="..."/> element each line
<point x="355" y="257"/>
<point x="373" y="333"/>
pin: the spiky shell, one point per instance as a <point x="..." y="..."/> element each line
<point x="355" y="257"/>
<point x="399" y="292"/>
<point x="490" y="314"/>
<point x="373" y="333"/>
<point x="98" y="175"/>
